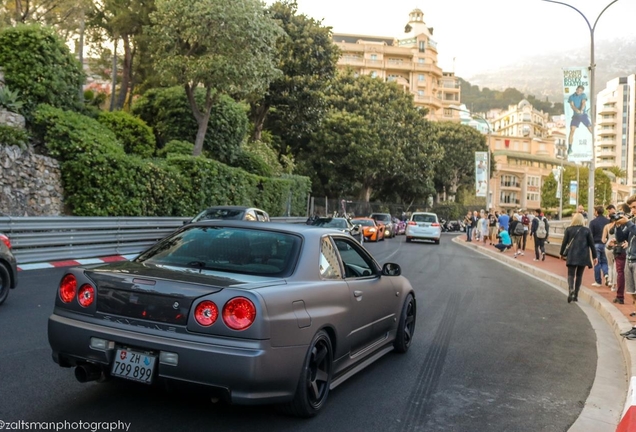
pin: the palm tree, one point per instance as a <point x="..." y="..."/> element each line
<point x="618" y="172"/>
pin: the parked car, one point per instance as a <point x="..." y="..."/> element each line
<point x="342" y="224"/>
<point x="258" y="313"/>
<point x="423" y="226"/>
<point x="387" y="220"/>
<point x="232" y="213"/>
<point x="8" y="268"/>
<point x="371" y="230"/>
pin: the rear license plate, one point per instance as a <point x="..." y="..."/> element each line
<point x="424" y="225"/>
<point x="134" y="365"/>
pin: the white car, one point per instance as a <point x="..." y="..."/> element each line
<point x="423" y="226"/>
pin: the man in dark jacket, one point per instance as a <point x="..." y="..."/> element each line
<point x="538" y="234"/>
<point x="597" y="225"/>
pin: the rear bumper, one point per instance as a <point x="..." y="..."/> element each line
<point x="424" y="234"/>
<point x="248" y="371"/>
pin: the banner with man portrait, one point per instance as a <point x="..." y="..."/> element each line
<point x="577" y="102"/>
<point x="481" y="173"/>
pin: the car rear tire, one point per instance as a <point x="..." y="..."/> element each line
<point x="5" y="283"/>
<point x="315" y="379"/>
<point x="436" y="241"/>
<point x="408" y="239"/>
<point x="406" y="326"/>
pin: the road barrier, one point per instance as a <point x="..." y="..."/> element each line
<point x="37" y="239"/>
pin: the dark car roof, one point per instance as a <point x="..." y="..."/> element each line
<point x="229" y="207"/>
<point x="302" y="229"/>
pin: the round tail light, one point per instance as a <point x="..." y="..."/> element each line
<point x="206" y="313"/>
<point x="68" y="287"/>
<point x="86" y="295"/>
<point x="239" y="313"/>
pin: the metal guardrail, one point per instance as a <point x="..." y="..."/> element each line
<point x="38" y="239"/>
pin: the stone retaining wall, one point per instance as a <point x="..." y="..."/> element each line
<point x="30" y="184"/>
<point x="11" y="119"/>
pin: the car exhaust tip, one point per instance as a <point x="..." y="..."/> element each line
<point x="86" y="373"/>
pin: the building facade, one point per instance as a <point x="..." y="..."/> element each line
<point x="615" y="122"/>
<point x="522" y="120"/>
<point x="410" y="62"/>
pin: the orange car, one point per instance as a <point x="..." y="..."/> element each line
<point x="372" y="231"/>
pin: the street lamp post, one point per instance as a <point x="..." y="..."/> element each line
<point x="590" y="193"/>
<point x="488" y="204"/>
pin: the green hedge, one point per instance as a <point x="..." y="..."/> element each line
<point x="135" y="135"/>
<point x="176" y="148"/>
<point x="100" y="179"/>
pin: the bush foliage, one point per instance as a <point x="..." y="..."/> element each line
<point x="176" y="148"/>
<point x="168" y="112"/>
<point x="134" y="134"/>
<point x="13" y="136"/>
<point x="39" y="65"/>
<point x="100" y="179"/>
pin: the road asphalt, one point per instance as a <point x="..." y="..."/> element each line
<point x="617" y="355"/>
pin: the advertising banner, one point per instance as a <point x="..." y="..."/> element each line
<point x="577" y="102"/>
<point x="574" y="192"/>
<point x="481" y="173"/>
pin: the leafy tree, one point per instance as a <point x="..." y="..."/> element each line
<point x="618" y="172"/>
<point x="457" y="167"/>
<point x="602" y="187"/>
<point x="222" y="47"/>
<point x="134" y="134"/>
<point x="306" y="55"/>
<point x="123" y="20"/>
<point x="176" y="148"/>
<point x="168" y="112"/>
<point x="64" y="15"/>
<point x="53" y="76"/>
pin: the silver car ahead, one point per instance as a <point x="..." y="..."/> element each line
<point x="423" y="226"/>
<point x="258" y="313"/>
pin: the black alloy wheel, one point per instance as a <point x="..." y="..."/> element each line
<point x="315" y="379"/>
<point x="5" y="283"/>
<point x="406" y="326"/>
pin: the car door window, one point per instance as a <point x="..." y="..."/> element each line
<point x="356" y="263"/>
<point x="250" y="215"/>
<point x="329" y="265"/>
<point x="260" y="217"/>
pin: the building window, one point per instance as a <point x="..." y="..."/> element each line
<point x="421" y="77"/>
<point x="420" y="92"/>
<point x="448" y="112"/>
<point x="421" y="60"/>
<point x="374" y="56"/>
<point x="374" y="74"/>
<point x="422" y="46"/>
<point x="510" y="181"/>
<point x="532" y="197"/>
<point x="508" y="198"/>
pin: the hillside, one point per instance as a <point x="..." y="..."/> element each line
<point x="541" y="75"/>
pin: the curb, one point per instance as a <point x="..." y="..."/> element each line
<point x="605" y="309"/>
<point x="72" y="263"/>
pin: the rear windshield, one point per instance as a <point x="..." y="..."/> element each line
<point x="330" y="223"/>
<point x="363" y="222"/>
<point x="215" y="214"/>
<point x="424" y="218"/>
<point x="232" y="250"/>
<point x="381" y="217"/>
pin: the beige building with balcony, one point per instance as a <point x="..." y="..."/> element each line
<point x="411" y="62"/>
<point x="615" y="122"/>
<point x="522" y="120"/>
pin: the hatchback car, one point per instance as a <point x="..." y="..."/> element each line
<point x="387" y="220"/>
<point x="256" y="313"/>
<point x="232" y="213"/>
<point x="423" y="226"/>
<point x="8" y="268"/>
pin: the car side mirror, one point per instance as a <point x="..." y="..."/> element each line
<point x="391" y="269"/>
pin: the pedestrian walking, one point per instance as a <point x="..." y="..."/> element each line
<point x="525" y="220"/>
<point x="619" y="248"/>
<point x="516" y="232"/>
<point x="492" y="228"/>
<point x="468" y="221"/>
<point x="539" y="231"/>
<point x="597" y="226"/>
<point x="575" y="249"/>
<point x="609" y="253"/>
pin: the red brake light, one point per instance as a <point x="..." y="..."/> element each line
<point x="206" y="313"/>
<point x="434" y="224"/>
<point x="68" y="287"/>
<point x="239" y="313"/>
<point x="5" y="240"/>
<point x="412" y="223"/>
<point x="86" y="295"/>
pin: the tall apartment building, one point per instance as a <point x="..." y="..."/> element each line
<point x="615" y="122"/>
<point x="411" y="62"/>
<point x="522" y="120"/>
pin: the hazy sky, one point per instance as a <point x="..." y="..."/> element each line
<point x="481" y="34"/>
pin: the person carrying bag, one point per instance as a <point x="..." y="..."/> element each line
<point x="576" y="248"/>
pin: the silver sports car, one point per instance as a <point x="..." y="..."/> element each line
<point x="266" y="313"/>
